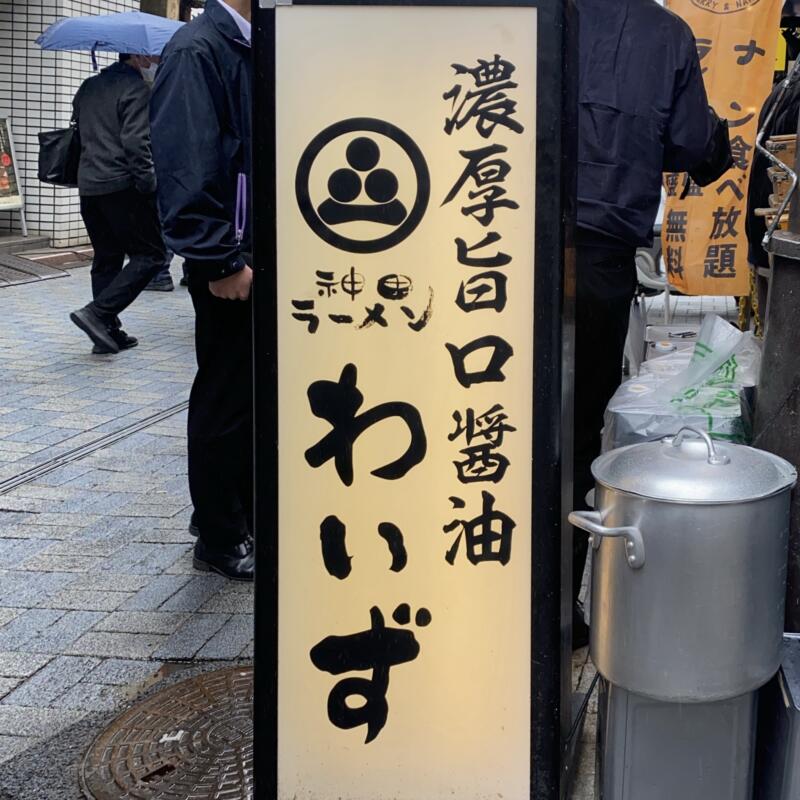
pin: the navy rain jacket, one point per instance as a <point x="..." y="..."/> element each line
<point x="200" y="122"/>
<point x="643" y="110"/>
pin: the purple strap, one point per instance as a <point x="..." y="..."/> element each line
<point x="241" y="207"/>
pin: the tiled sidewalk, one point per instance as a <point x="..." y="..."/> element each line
<point x="97" y="590"/>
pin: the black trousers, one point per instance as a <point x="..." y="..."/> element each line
<point x="221" y="417"/>
<point x="120" y="224"/>
<point x="606" y="284"/>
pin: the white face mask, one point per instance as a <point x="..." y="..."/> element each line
<point x="149" y="72"/>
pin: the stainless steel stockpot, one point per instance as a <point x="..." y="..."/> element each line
<point x="689" y="568"/>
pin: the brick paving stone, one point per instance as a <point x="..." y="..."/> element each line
<point x="157" y="592"/>
<point x="39" y="722"/>
<point x="47" y="562"/>
<point x="7" y="430"/>
<point x="27" y="626"/>
<point x="141" y="622"/>
<point x="191" y="637"/>
<point x="92" y="697"/>
<point x="113" y="528"/>
<point x="183" y="566"/>
<point x="195" y="594"/>
<point x="64" y="632"/>
<point x="100" y="501"/>
<point x="157" y="497"/>
<point x="53" y="435"/>
<point x="60" y="476"/>
<point x="150" y="510"/>
<point x="66" y="405"/>
<point x="30" y="416"/>
<point x="8" y="684"/>
<point x="40" y="532"/>
<point x="51" y="681"/>
<point x="9" y="518"/>
<point x="142" y="559"/>
<point x="110" y="582"/>
<point x="84" y="547"/>
<point x="82" y="422"/>
<point x="178" y="522"/>
<point x="87" y="600"/>
<point x="230" y="603"/>
<point x="29" y="505"/>
<point x="7" y="614"/>
<point x="21" y="447"/>
<point x="31" y="433"/>
<point x="231" y="638"/>
<point x="14" y="552"/>
<point x="56" y="519"/>
<point x="118" y="645"/>
<point x="26" y="589"/>
<point x="11" y="746"/>
<point x="165" y="536"/>
<point x="122" y="672"/>
<point x="41" y="492"/>
<point x="21" y="665"/>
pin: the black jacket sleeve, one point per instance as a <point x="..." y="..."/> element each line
<point x="690" y="128"/>
<point x="135" y="135"/>
<point x="196" y="190"/>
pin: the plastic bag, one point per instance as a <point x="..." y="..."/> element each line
<point x="717" y="341"/>
<point x="707" y="388"/>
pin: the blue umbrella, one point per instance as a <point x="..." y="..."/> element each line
<point x="131" y="32"/>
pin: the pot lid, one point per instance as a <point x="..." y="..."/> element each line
<point x="691" y="468"/>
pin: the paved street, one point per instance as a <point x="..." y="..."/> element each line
<point x="97" y="590"/>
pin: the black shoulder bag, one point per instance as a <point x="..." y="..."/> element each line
<point x="59" y="154"/>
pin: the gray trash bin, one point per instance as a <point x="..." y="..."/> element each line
<point x="688" y="587"/>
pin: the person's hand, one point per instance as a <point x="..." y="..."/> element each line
<point x="234" y="287"/>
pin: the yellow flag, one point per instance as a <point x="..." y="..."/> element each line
<point x="703" y="236"/>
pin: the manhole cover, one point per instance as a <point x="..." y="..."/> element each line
<point x="191" y="740"/>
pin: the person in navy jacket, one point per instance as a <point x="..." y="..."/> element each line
<point x="200" y="116"/>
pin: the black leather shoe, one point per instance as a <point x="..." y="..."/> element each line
<point x="88" y="320"/>
<point x="193" y="529"/>
<point x="163" y="285"/>
<point x="236" y="563"/>
<point x="124" y="342"/>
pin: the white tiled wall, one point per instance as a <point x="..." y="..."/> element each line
<point x="36" y="91"/>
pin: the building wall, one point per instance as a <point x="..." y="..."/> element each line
<point x="36" y="91"/>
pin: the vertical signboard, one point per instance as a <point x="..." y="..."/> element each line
<point x="398" y="260"/>
<point x="10" y="190"/>
<point x="703" y="234"/>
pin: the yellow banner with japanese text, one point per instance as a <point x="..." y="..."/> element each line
<point x="703" y="235"/>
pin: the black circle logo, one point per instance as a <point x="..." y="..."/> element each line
<point x="364" y="192"/>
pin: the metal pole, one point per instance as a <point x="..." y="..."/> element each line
<point x="792" y="77"/>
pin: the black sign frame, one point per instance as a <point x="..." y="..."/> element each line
<point x="553" y="370"/>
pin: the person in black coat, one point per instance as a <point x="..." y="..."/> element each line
<point x="117" y="184"/>
<point x="201" y="123"/>
<point x="643" y="110"/>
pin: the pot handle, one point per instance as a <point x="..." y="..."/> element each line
<point x="592" y="522"/>
<point x="714" y="458"/>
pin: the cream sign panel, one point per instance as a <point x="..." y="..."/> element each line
<point x="405" y="217"/>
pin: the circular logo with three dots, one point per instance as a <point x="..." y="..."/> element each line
<point x="362" y="185"/>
